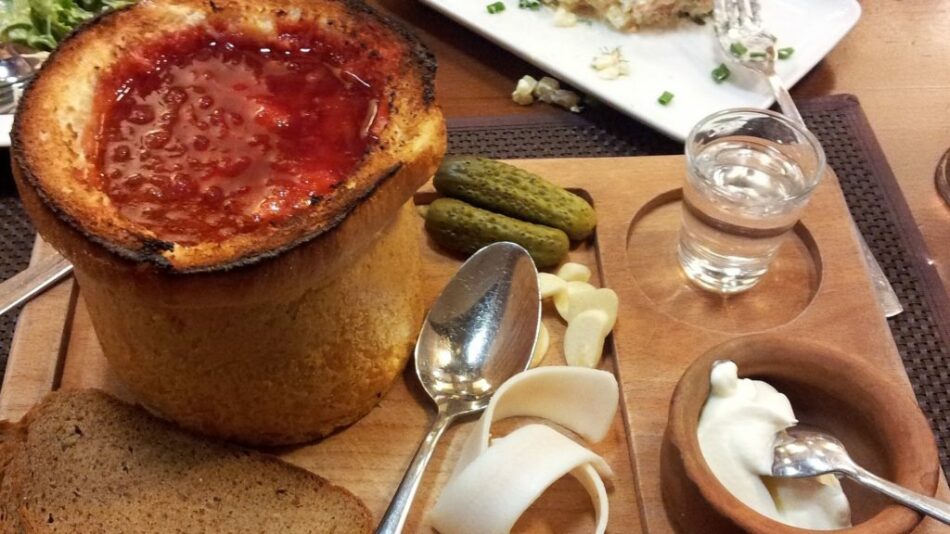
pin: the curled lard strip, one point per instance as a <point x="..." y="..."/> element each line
<point x="492" y="486"/>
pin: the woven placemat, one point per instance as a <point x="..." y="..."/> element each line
<point x="922" y="332"/>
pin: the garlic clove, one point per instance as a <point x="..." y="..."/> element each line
<point x="550" y="285"/>
<point x="574" y="272"/>
<point x="562" y="300"/>
<point x="584" y="338"/>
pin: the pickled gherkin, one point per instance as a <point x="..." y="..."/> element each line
<point x="463" y="228"/>
<point x="514" y="192"/>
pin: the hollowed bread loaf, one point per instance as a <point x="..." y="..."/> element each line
<point x="232" y="181"/>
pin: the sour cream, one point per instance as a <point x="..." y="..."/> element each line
<point x="737" y="430"/>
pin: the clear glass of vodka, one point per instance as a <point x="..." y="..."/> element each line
<point x="749" y="175"/>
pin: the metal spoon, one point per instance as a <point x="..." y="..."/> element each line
<point x="480" y="332"/>
<point x="802" y="453"/>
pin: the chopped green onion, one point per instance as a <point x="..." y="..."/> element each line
<point x="757" y="55"/>
<point x="529" y="4"/>
<point x="785" y="53"/>
<point x="665" y="98"/>
<point x="497" y="7"/>
<point x="720" y="73"/>
<point x="738" y="49"/>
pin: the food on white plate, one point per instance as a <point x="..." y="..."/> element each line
<point x="492" y="486"/>
<point x="574" y="272"/>
<point x="460" y="227"/>
<point x="720" y="73"/>
<point x="632" y="15"/>
<point x="562" y="300"/>
<point x="82" y="461"/>
<point x="610" y="64"/>
<point x="495" y="7"/>
<point x="541" y="346"/>
<point x="233" y="182"/>
<point x="546" y="90"/>
<point x="737" y="431"/>
<point x="564" y="18"/>
<point x="515" y="192"/>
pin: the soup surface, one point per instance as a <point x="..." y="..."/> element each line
<point x="207" y="135"/>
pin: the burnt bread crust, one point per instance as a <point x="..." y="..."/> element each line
<point x="51" y="134"/>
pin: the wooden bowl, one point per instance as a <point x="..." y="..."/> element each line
<point x="877" y="419"/>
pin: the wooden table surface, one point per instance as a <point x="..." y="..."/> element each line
<point x="896" y="60"/>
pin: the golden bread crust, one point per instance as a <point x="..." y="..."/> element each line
<point x="279" y="371"/>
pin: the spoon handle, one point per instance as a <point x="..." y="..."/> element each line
<point x="395" y="516"/>
<point x="926" y="505"/>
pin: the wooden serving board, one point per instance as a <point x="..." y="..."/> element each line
<point x="818" y="288"/>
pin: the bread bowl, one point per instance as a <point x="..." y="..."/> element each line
<point x="282" y="305"/>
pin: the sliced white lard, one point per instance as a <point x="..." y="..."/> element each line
<point x="492" y="486"/>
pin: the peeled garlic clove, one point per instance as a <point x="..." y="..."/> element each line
<point x="584" y="338"/>
<point x="562" y="300"/>
<point x="603" y="299"/>
<point x="541" y="346"/>
<point x="550" y="285"/>
<point x="564" y="18"/>
<point x="574" y="272"/>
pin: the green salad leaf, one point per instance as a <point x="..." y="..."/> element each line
<point x="42" y="24"/>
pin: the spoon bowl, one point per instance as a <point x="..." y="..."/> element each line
<point x="803" y="453"/>
<point x="480" y="332"/>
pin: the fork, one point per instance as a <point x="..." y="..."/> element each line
<point x="15" y="72"/>
<point x="742" y="36"/>
<point x="738" y="25"/>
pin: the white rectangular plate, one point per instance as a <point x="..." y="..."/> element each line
<point x="6" y="124"/>
<point x="679" y="60"/>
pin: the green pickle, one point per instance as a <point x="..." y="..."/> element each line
<point x="463" y="228"/>
<point x="506" y="189"/>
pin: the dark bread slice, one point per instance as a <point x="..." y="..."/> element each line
<point x="82" y="461"/>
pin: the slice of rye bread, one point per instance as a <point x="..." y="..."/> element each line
<point x="82" y="461"/>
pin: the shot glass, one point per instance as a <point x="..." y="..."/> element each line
<point x="749" y="175"/>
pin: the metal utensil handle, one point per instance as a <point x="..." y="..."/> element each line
<point x="785" y="99"/>
<point x="882" y="286"/>
<point x="923" y="504"/>
<point x="29" y="283"/>
<point x="395" y="516"/>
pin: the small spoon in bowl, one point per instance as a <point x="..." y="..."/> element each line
<point x="480" y="332"/>
<point x="803" y="453"/>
